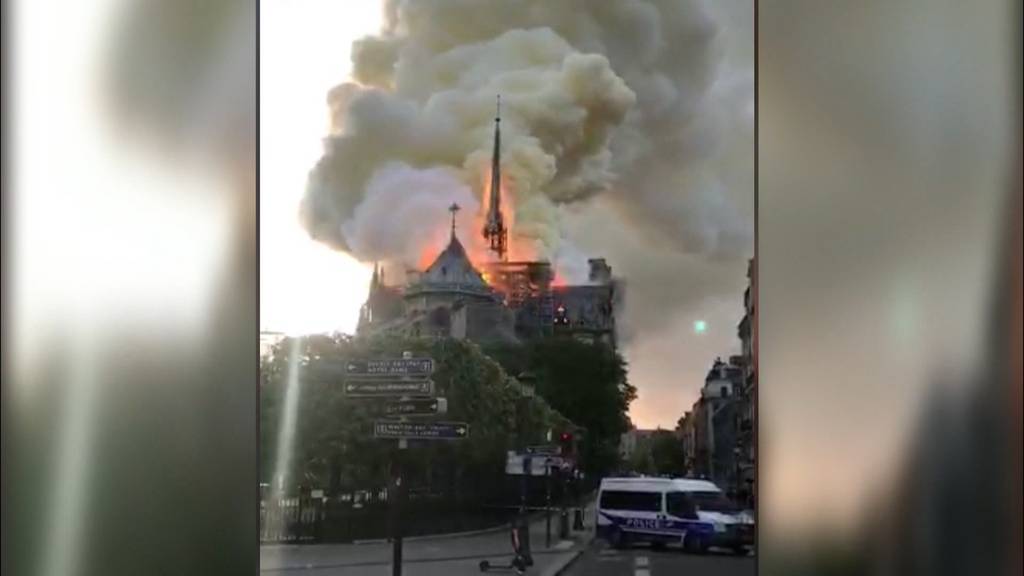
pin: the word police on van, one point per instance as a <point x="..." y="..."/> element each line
<point x="692" y="513"/>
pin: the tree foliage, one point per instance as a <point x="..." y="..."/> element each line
<point x="667" y="454"/>
<point x="641" y="461"/>
<point x="333" y="444"/>
<point x="587" y="382"/>
<point x="659" y="454"/>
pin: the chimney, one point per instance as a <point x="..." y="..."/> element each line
<point x="600" y="271"/>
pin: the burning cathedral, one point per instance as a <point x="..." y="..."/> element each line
<point x="495" y="301"/>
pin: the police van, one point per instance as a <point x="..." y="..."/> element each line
<point x="693" y="513"/>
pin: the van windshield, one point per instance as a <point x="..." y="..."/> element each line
<point x="712" y="502"/>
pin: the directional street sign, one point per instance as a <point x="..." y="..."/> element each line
<point x="415" y="407"/>
<point x="390" y="368"/>
<point x="548" y="450"/>
<point x="420" y="430"/>
<point x="516" y="464"/>
<point x="381" y="388"/>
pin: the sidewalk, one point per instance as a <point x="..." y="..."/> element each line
<point x="429" y="556"/>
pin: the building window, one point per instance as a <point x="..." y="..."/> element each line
<point x="724" y="391"/>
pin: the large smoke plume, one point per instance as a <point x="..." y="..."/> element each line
<point x="626" y="132"/>
<point x="608" y="96"/>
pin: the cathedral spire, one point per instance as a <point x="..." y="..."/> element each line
<point x="494" y="229"/>
<point x="454" y="208"/>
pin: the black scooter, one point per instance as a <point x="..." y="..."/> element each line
<point x="521" y="559"/>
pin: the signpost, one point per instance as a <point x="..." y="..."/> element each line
<point x="531" y="465"/>
<point x="547" y="502"/>
<point x="420" y="430"/>
<point x="402" y="387"/>
<point x="388" y="388"/>
<point x="415" y="407"/>
<point x="391" y="367"/>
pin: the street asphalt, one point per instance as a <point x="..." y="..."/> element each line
<point x="600" y="560"/>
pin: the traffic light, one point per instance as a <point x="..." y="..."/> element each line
<point x="565" y="442"/>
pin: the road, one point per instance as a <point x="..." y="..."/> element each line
<point x="453" y="555"/>
<point x="600" y="560"/>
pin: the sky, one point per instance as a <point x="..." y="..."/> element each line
<point x="307" y="287"/>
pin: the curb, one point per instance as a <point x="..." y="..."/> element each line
<point x="422" y="538"/>
<point x="428" y="537"/>
<point x="560" y="568"/>
<point x="556" y="569"/>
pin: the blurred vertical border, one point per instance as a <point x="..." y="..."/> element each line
<point x="130" y="295"/>
<point x="889" y="287"/>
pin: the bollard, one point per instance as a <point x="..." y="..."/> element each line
<point x="523" y="540"/>
<point x="578" y="520"/>
<point x="563" y="524"/>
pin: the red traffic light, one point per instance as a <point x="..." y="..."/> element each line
<point x="565" y="437"/>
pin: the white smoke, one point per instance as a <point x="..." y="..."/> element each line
<point x="399" y="197"/>
<point x="435" y="107"/>
<point x="646" y="104"/>
<point x="617" y="96"/>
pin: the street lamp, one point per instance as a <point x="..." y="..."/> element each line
<point x="736" y="452"/>
<point x="526" y="388"/>
<point x="526" y="392"/>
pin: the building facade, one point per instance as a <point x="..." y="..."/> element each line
<point x="632" y="441"/>
<point x="746" y="442"/>
<point x="509" y="302"/>
<point x="709" y="432"/>
<point x="499" y="301"/>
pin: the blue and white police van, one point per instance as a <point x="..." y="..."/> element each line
<point x="693" y="513"/>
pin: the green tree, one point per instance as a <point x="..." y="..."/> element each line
<point x="641" y="461"/>
<point x="333" y="444"/>
<point x="586" y="382"/>
<point x="666" y="453"/>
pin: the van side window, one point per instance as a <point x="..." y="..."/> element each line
<point x="636" y="501"/>
<point x="680" y="505"/>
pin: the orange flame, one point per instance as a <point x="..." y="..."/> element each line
<point x="519" y="248"/>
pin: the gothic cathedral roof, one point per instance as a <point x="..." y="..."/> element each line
<point x="452" y="267"/>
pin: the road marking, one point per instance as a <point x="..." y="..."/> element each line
<point x="642" y="561"/>
<point x="642" y="572"/>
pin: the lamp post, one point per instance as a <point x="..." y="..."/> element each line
<point x="527" y="391"/>
<point x="736" y="452"/>
<point x="547" y="502"/>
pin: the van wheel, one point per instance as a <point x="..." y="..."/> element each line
<point x="694" y="544"/>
